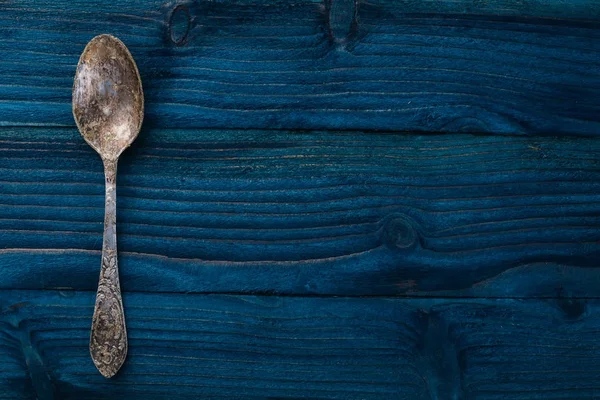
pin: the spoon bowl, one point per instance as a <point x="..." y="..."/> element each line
<point x="108" y="102"/>
<point x="108" y="106"/>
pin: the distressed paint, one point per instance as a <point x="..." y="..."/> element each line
<point x="259" y="173"/>
<point x="185" y="346"/>
<point x="526" y="67"/>
<point x="338" y="213"/>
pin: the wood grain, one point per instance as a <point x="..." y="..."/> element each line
<point x="184" y="346"/>
<point x="213" y="346"/>
<point x="258" y="172"/>
<point x="521" y="349"/>
<point x="307" y="213"/>
<point x="495" y="66"/>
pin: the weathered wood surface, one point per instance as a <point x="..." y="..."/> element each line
<point x="310" y="213"/>
<point x="215" y="198"/>
<point x="213" y="346"/>
<point x="485" y="66"/>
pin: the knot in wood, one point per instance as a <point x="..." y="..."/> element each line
<point x="341" y="19"/>
<point x="399" y="233"/>
<point x="179" y="25"/>
<point x="573" y="308"/>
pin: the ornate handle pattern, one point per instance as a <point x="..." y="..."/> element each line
<point x="108" y="341"/>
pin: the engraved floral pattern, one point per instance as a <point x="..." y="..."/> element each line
<point x="109" y="338"/>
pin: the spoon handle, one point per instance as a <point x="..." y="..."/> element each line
<point x="108" y="341"/>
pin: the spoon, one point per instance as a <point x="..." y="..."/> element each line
<point x="108" y="106"/>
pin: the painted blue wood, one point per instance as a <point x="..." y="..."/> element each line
<point x="495" y="66"/>
<point x="216" y="198"/>
<point x="213" y="346"/>
<point x="310" y="213"/>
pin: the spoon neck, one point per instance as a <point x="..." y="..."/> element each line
<point x="110" y="171"/>
<point x="110" y="210"/>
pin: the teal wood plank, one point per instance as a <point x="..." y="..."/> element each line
<point x="307" y="213"/>
<point x="191" y="346"/>
<point x="520" y="349"/>
<point x="184" y="346"/>
<point x="495" y="66"/>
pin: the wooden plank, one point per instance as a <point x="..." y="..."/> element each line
<point x="461" y="65"/>
<point x="214" y="346"/>
<point x="313" y="213"/>
<point x="521" y="349"/>
<point x="184" y="346"/>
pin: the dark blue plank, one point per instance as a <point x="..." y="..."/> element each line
<point x="311" y="213"/>
<point x="192" y="346"/>
<point x="519" y="349"/>
<point x="213" y="346"/>
<point x="494" y="66"/>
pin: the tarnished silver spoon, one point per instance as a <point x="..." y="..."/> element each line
<point x="108" y="106"/>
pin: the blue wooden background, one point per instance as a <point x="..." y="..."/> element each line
<point x="329" y="199"/>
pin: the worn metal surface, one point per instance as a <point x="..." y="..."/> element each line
<point x="108" y="102"/>
<point x="108" y="107"/>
